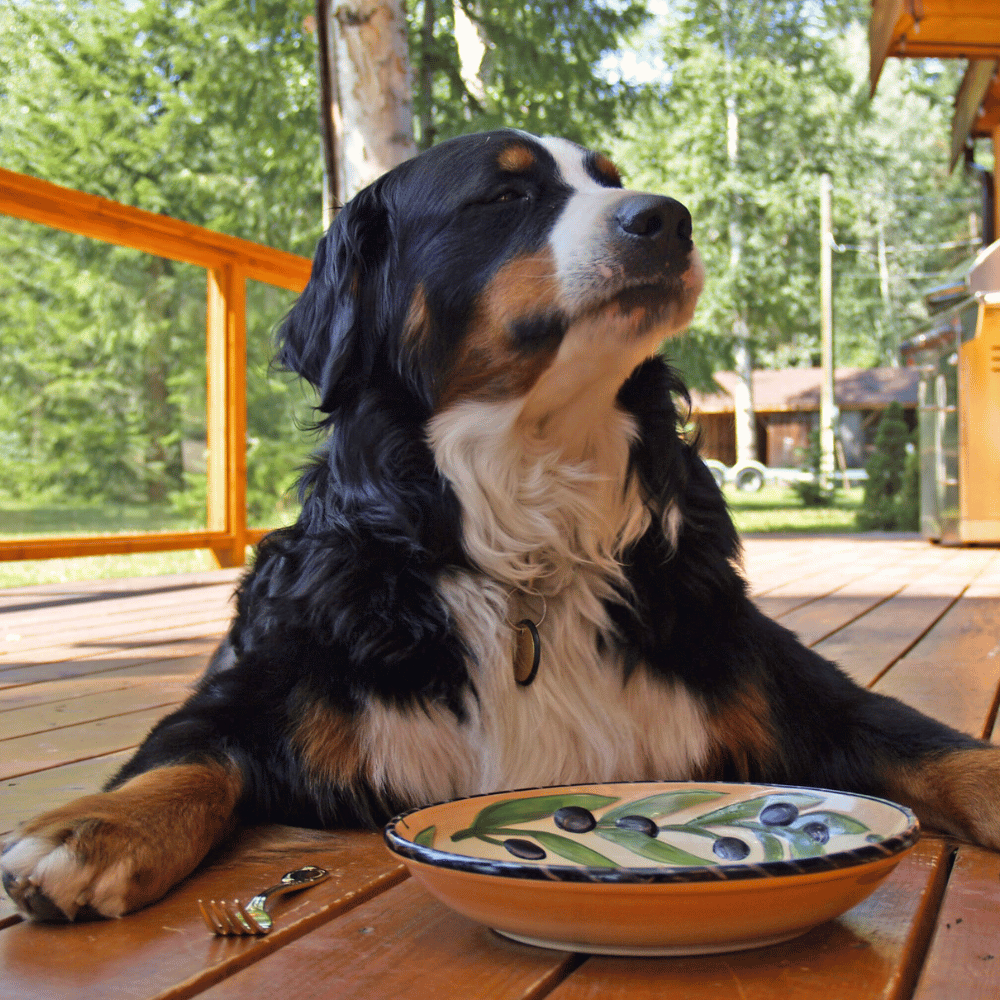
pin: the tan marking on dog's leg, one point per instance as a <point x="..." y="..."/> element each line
<point x="328" y="745"/>
<point x="958" y="792"/>
<point x="117" y="851"/>
<point x="742" y="737"/>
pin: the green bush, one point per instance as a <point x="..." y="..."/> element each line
<point x="891" y="501"/>
<point x="811" y="492"/>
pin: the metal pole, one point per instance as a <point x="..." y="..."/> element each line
<point x="827" y="404"/>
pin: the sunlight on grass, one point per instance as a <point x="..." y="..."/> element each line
<point x="777" y="509"/>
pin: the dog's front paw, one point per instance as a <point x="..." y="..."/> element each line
<point x="57" y="872"/>
<point x="108" y="854"/>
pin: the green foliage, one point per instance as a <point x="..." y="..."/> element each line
<point x="540" y="71"/>
<point x="812" y="492"/>
<point x="796" y="80"/>
<point x="890" y="502"/>
<point x="207" y="113"/>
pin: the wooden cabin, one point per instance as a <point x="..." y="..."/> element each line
<point x="786" y="403"/>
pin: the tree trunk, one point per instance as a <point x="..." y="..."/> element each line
<point x="746" y="418"/>
<point x="372" y="102"/>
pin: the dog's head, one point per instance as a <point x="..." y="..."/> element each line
<point x="493" y="267"/>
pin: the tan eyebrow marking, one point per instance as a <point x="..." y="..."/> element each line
<point x="517" y="159"/>
<point x="607" y="169"/>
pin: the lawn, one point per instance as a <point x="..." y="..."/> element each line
<point x="777" y="509"/>
<point x="774" y="509"/>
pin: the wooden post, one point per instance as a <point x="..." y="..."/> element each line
<point x="827" y="402"/>
<point x="227" y="411"/>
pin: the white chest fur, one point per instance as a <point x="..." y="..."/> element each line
<point x="546" y="526"/>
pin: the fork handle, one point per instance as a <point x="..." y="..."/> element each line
<point x="298" y="879"/>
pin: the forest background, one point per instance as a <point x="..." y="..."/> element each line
<point x="207" y="111"/>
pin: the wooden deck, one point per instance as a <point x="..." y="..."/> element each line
<point x="85" y="669"/>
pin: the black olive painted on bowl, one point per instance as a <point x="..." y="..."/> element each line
<point x="730" y="849"/>
<point x="640" y="824"/>
<point x="779" y="814"/>
<point x="574" y="819"/>
<point x="524" y="849"/>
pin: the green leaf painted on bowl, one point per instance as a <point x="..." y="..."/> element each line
<point x="751" y="808"/>
<point x="525" y="810"/>
<point x="426" y="836"/>
<point x="571" y="850"/>
<point x="663" y="804"/>
<point x="648" y="847"/>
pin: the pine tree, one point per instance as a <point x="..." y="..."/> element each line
<point x="880" y="508"/>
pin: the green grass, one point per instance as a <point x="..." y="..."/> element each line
<point x="774" y="509"/>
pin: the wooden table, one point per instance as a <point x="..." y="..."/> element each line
<point x="86" y="669"/>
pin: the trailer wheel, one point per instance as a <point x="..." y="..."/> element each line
<point x="749" y="479"/>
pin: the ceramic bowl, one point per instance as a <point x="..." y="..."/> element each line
<point x="654" y="868"/>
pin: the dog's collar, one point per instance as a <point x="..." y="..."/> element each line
<point x="527" y="646"/>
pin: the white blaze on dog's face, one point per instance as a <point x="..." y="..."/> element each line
<point x="628" y="274"/>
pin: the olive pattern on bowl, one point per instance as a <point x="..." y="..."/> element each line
<point x="782" y="825"/>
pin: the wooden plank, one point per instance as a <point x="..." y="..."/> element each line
<point x="26" y="754"/>
<point x="963" y="962"/>
<point x="169" y="671"/>
<point x="30" y="794"/>
<point x="819" y="619"/>
<point x="954" y="672"/>
<point x="876" y="640"/>
<point x="866" y="578"/>
<point x="57" y="654"/>
<point x="52" y="716"/>
<point x="76" y="546"/>
<point x="165" y="950"/>
<point x="156" y="603"/>
<point x="82" y="637"/>
<point x="402" y="943"/>
<point x="109" y="660"/>
<point x="44" y="594"/>
<point x="870" y="953"/>
<point x="24" y="645"/>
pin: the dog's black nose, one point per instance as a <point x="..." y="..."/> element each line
<point x="654" y="217"/>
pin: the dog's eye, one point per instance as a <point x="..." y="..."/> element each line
<point x="509" y="195"/>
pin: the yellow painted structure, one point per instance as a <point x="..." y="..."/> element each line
<point x="229" y="262"/>
<point x="979" y="428"/>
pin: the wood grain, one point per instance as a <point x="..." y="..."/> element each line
<point x="402" y="943"/>
<point x="166" y="951"/>
<point x="964" y="958"/>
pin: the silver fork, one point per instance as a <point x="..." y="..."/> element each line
<point x="234" y="918"/>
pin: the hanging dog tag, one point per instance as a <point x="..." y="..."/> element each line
<point x="527" y="652"/>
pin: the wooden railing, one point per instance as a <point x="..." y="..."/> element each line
<point x="229" y="262"/>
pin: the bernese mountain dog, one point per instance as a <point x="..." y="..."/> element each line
<point x="511" y="568"/>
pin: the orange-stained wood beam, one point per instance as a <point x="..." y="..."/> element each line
<point x="968" y="101"/>
<point x="99" y="218"/>
<point x="71" y="546"/>
<point x="229" y="262"/>
<point x="226" y="411"/>
<point x="885" y="16"/>
<point x="948" y="29"/>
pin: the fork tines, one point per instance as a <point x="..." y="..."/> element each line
<point x="229" y="918"/>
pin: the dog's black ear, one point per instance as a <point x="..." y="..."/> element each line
<point x="323" y="336"/>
